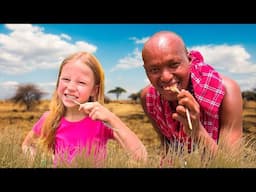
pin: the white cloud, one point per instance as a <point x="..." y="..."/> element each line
<point x="27" y="47"/>
<point x="81" y="45"/>
<point x="139" y="41"/>
<point x="231" y="60"/>
<point x="8" y="89"/>
<point x="65" y="36"/>
<point x="47" y="88"/>
<point x="247" y="83"/>
<point x="132" y="60"/>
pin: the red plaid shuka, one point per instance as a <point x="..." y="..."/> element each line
<point x="209" y="92"/>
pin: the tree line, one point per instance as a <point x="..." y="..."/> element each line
<point x="30" y="95"/>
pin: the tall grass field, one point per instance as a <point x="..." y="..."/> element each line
<point x="16" y="122"/>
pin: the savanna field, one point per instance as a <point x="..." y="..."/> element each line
<point x="16" y="122"/>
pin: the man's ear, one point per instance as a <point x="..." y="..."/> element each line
<point x="189" y="57"/>
<point x="188" y="54"/>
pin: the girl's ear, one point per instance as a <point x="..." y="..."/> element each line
<point x="94" y="94"/>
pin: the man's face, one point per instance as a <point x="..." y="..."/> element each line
<point x="165" y="68"/>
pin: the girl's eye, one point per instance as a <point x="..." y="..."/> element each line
<point x="65" y="79"/>
<point x="82" y="83"/>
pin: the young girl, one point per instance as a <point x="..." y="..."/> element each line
<point x="77" y="120"/>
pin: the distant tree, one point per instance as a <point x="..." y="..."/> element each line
<point x="135" y="96"/>
<point x="118" y="91"/>
<point x="249" y="95"/>
<point x="28" y="95"/>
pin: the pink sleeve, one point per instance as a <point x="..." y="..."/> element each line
<point x="38" y="125"/>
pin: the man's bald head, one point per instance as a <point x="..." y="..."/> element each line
<point x="163" y="40"/>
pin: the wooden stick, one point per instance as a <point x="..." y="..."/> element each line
<point x="176" y="90"/>
<point x="76" y="102"/>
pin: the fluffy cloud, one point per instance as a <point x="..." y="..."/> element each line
<point x="27" y="47"/>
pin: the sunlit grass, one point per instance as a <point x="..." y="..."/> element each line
<point x="12" y="157"/>
<point x="15" y="124"/>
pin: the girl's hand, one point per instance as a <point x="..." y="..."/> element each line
<point x="96" y="111"/>
<point x="29" y="151"/>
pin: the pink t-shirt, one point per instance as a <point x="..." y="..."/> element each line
<point x="72" y="137"/>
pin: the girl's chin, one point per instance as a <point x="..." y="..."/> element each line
<point x="68" y="103"/>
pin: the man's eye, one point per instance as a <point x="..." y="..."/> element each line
<point x="174" y="65"/>
<point x="153" y="70"/>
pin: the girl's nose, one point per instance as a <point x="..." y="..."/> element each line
<point x="71" y="85"/>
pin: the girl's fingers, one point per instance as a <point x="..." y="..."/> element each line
<point x="87" y="107"/>
<point x="95" y="110"/>
<point x="94" y="113"/>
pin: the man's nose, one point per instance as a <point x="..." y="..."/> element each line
<point x="166" y="75"/>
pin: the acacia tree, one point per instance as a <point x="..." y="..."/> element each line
<point x="135" y="96"/>
<point x="118" y="91"/>
<point x="249" y="95"/>
<point x="28" y="95"/>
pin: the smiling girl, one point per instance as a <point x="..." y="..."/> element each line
<point x="77" y="119"/>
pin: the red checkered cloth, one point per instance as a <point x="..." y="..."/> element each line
<point x="209" y="92"/>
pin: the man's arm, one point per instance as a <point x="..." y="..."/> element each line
<point x="155" y="126"/>
<point x="231" y="119"/>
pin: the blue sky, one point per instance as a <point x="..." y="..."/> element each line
<point x="32" y="53"/>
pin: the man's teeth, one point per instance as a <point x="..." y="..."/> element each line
<point x="169" y="88"/>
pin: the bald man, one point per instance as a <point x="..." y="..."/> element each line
<point x="213" y="101"/>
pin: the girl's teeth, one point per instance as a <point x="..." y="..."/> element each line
<point x="70" y="97"/>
